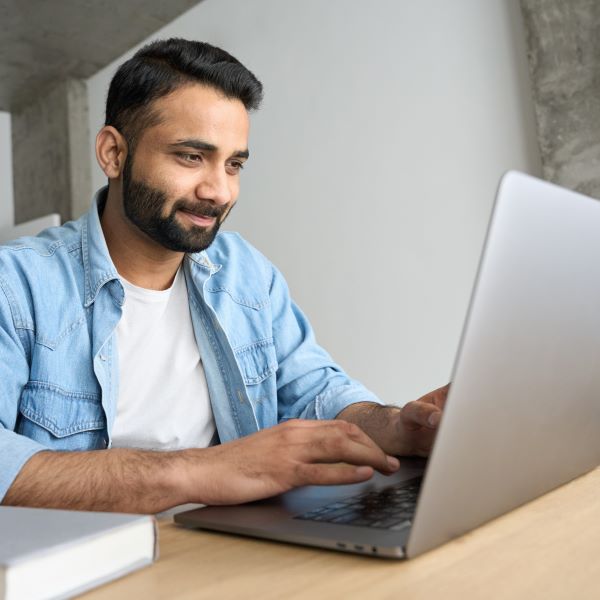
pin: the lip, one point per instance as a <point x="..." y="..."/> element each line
<point x="198" y="220"/>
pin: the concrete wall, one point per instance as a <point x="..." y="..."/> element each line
<point x="54" y="129"/>
<point x="563" y="57"/>
<point x="385" y="129"/>
<point x="6" y="178"/>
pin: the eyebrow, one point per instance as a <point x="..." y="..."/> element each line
<point x="207" y="147"/>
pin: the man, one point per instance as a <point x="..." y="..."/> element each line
<point x="147" y="361"/>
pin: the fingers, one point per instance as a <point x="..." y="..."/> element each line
<point x="420" y="414"/>
<point x="442" y="396"/>
<point x="426" y="411"/>
<point x="339" y="441"/>
<point x="322" y="474"/>
<point x="437" y="397"/>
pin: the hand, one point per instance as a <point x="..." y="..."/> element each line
<point x="406" y="431"/>
<point x="419" y="421"/>
<point x="275" y="460"/>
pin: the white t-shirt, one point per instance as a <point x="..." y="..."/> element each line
<point x="163" y="399"/>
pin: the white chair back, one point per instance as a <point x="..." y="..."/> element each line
<point x="32" y="227"/>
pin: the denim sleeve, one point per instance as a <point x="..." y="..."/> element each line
<point x="309" y="384"/>
<point x="15" y="450"/>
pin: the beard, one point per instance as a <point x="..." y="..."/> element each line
<point x="144" y="205"/>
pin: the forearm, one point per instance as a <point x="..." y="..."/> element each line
<point x="269" y="462"/>
<point x="116" y="480"/>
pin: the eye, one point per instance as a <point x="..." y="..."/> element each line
<point x="190" y="157"/>
<point x="234" y="166"/>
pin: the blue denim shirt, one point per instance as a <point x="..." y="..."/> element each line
<point x="61" y="300"/>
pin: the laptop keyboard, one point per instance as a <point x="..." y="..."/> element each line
<point x="390" y="508"/>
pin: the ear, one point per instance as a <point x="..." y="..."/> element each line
<point x="111" y="151"/>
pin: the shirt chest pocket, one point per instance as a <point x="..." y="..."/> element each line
<point x="257" y="361"/>
<point x="258" y="365"/>
<point x="61" y="420"/>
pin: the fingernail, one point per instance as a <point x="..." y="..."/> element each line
<point x="434" y="419"/>
<point x="363" y="471"/>
<point x="393" y="462"/>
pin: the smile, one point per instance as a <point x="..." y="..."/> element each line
<point x="199" y="220"/>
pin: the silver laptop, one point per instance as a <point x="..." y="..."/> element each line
<point x="523" y="413"/>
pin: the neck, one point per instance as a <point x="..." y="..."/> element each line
<point x="137" y="258"/>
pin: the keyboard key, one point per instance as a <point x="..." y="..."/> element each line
<point x="390" y="508"/>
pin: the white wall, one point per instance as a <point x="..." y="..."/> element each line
<point x="6" y="179"/>
<point x="385" y="129"/>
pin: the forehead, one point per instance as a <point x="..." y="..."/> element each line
<point x="200" y="112"/>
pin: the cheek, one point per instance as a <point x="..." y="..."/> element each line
<point x="173" y="186"/>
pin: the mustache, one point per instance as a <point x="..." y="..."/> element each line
<point x="200" y="208"/>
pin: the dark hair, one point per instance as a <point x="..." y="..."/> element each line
<point x="161" y="67"/>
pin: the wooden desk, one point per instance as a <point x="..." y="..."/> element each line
<point x="548" y="549"/>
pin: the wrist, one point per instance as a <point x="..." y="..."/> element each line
<point x="379" y="422"/>
<point x="190" y="476"/>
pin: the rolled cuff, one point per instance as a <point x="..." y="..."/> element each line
<point x="333" y="401"/>
<point x="15" y="451"/>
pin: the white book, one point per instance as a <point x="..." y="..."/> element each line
<point x="46" y="553"/>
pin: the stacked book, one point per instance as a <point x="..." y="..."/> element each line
<point x="57" y="553"/>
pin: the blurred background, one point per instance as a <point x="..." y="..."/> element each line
<point x="375" y="157"/>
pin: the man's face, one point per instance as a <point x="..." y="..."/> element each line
<point x="183" y="178"/>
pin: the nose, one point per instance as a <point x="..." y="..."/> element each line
<point x="214" y="185"/>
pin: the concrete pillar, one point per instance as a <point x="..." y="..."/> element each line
<point x="6" y="177"/>
<point x="564" y="56"/>
<point x="50" y="145"/>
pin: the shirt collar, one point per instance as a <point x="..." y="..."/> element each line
<point x="202" y="259"/>
<point x="98" y="266"/>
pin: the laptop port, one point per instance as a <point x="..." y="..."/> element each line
<point x="359" y="548"/>
<point x="341" y="545"/>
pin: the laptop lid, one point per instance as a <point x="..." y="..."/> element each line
<point x="523" y="413"/>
